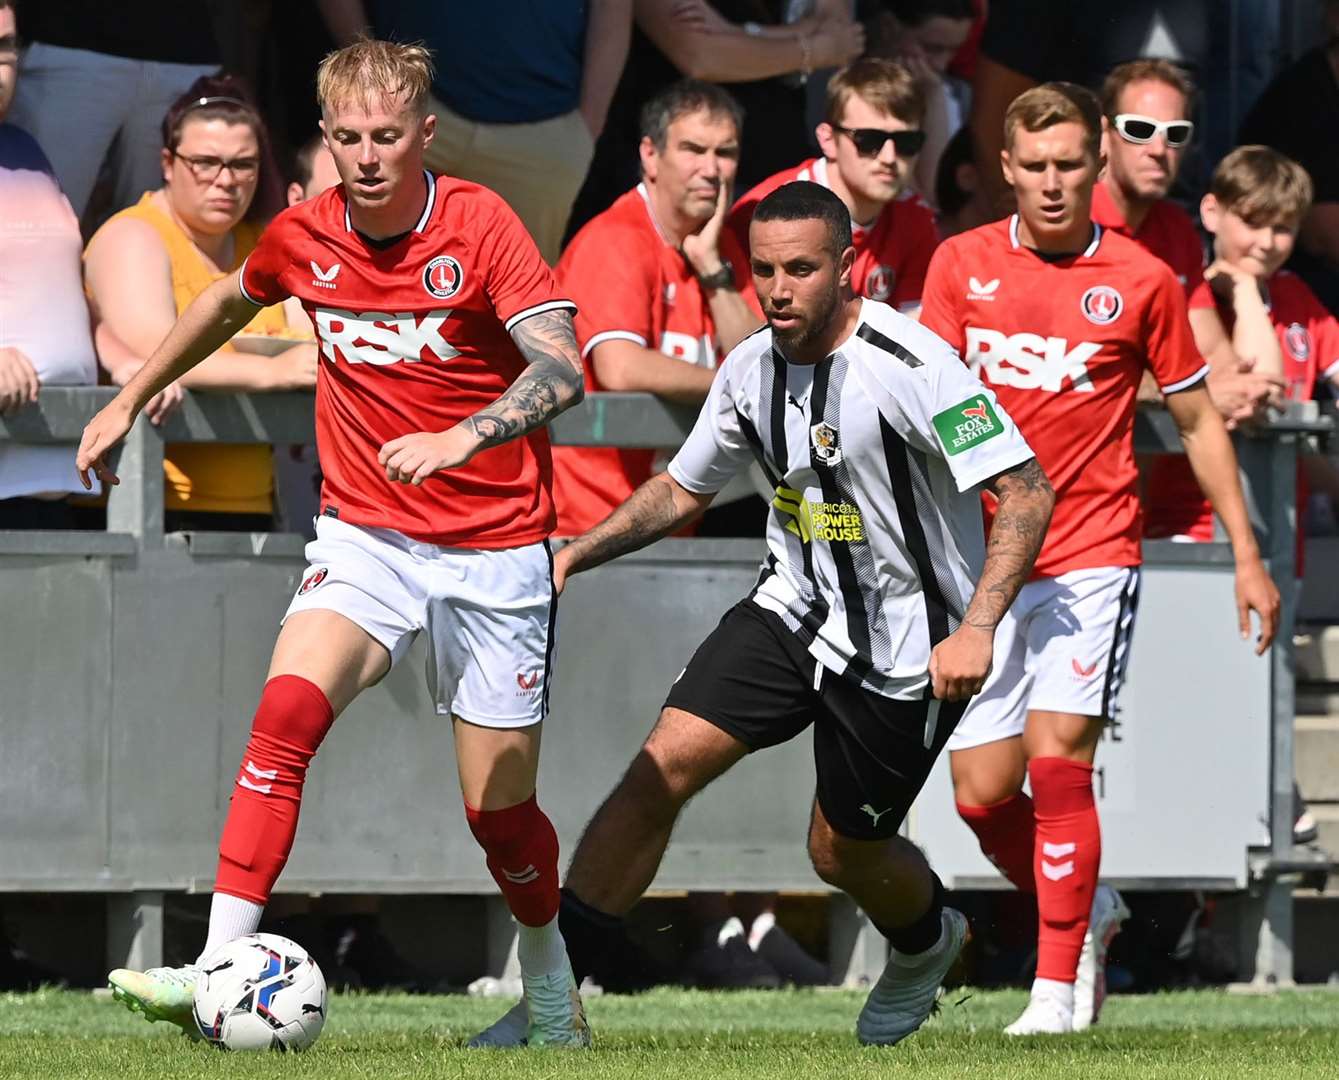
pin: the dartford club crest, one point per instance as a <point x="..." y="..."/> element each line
<point x="1298" y="340"/>
<point x="1101" y="305"/>
<point x="442" y="277"/>
<point x="823" y="438"/>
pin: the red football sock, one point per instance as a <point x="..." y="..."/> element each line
<point x="1007" y="831"/>
<point x="291" y="720"/>
<point x="1069" y="856"/>
<point x="522" y="851"/>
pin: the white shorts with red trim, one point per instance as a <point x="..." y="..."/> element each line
<point x="1062" y="647"/>
<point x="488" y="614"/>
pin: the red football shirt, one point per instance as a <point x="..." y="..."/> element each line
<point x="891" y="256"/>
<point x="416" y="337"/>
<point x="1167" y="232"/>
<point x="1063" y="344"/>
<point x="630" y="283"/>
<point x="1308" y="334"/>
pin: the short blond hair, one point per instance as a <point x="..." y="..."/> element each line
<point x="370" y="69"/>
<point x="1054" y="103"/>
<point x="1262" y="186"/>
<point x="884" y="84"/>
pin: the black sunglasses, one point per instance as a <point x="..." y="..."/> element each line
<point x="869" y="141"/>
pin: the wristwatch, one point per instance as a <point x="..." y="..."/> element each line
<point x="723" y="277"/>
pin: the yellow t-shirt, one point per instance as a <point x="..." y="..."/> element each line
<point x="231" y="478"/>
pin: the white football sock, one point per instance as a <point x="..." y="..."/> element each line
<point x="230" y="917"/>
<point x="762" y="926"/>
<point x="1062" y="993"/>
<point x="540" y="949"/>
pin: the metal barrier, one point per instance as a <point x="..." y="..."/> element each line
<point x="139" y="656"/>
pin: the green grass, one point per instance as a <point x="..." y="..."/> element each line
<point x="674" y="1033"/>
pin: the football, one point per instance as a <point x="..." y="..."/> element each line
<point x="260" y="992"/>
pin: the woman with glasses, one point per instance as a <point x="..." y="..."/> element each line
<point x="147" y="263"/>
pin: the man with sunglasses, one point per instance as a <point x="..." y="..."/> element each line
<point x="869" y="140"/>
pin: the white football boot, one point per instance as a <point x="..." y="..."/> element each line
<point x="905" y="994"/>
<point x="1045" y="1015"/>
<point x="1090" y="984"/>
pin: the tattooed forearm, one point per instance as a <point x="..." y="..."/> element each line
<point x="552" y="381"/>
<point x="653" y="511"/>
<point x="1016" y="537"/>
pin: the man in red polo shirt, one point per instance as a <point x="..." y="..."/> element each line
<point x="869" y="140"/>
<point x="663" y="289"/>
<point x="1147" y="106"/>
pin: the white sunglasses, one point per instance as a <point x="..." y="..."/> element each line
<point x="1144" y="129"/>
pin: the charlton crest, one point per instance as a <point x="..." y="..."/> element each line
<point x="442" y="277"/>
<point x="313" y="581"/>
<point x="879" y="283"/>
<point x="1101" y="305"/>
<point x="1298" y="340"/>
<point x="823" y="438"/>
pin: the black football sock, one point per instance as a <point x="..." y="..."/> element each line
<point x="588" y="933"/>
<point x="924" y="933"/>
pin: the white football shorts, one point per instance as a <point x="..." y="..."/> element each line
<point x="489" y="615"/>
<point x="1062" y="647"/>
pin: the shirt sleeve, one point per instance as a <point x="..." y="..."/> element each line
<point x="1325" y="340"/>
<point x="939" y="407"/>
<point x="1171" y="354"/>
<point x="615" y="294"/>
<point x="921" y="238"/>
<point x="517" y="280"/>
<point x="716" y="448"/>
<point x="939" y="307"/>
<point x="260" y="278"/>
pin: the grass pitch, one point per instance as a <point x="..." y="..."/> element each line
<point x="703" y="1036"/>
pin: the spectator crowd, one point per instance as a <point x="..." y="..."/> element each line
<point x="144" y="147"/>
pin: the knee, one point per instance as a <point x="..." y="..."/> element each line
<point x="982" y="785"/>
<point x="831" y="855"/>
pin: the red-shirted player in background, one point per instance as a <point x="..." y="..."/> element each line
<point x="663" y="292"/>
<point x="869" y="140"/>
<point x="1147" y="105"/>
<point x="446" y="348"/>
<point x="1060" y="317"/>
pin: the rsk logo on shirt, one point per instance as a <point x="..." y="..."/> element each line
<point x="1030" y="361"/>
<point x="375" y="337"/>
<point x="967" y="425"/>
<point x="699" y="351"/>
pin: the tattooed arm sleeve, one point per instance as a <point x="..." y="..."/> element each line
<point x="654" y="510"/>
<point x="552" y="381"/>
<point x="1016" y="537"/>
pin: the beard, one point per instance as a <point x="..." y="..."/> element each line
<point x="813" y="325"/>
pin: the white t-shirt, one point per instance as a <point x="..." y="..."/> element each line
<point x="875" y="538"/>
<point x="42" y="308"/>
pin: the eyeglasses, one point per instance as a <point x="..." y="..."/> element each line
<point x="869" y="141"/>
<point x="207" y="169"/>
<point x="1144" y="129"/>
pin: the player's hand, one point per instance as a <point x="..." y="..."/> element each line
<point x="702" y="248"/>
<point x="562" y="565"/>
<point x="960" y="663"/>
<point x="103" y="432"/>
<point x="1257" y="592"/>
<point x="18" y="381"/>
<point x="411" y="459"/>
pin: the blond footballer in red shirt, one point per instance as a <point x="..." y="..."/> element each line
<point x="869" y="141"/>
<point x="1060" y="318"/>
<point x="1255" y="205"/>
<point x="662" y="289"/>
<point x="445" y="348"/>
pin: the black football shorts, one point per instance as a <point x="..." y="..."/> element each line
<point x="754" y="679"/>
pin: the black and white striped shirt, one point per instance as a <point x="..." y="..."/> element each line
<point x="875" y="537"/>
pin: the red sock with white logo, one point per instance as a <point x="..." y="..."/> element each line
<point x="291" y="720"/>
<point x="1068" y="858"/>
<point x="522" y="851"/>
<point x="1007" y="832"/>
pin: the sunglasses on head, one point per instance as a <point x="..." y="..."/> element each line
<point x="1144" y="129"/>
<point x="869" y="141"/>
